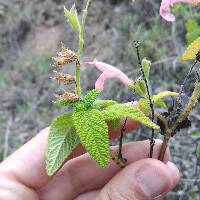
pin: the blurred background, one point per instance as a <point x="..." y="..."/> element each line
<point x="30" y="32"/>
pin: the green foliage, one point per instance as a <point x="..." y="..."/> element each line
<point x="191" y="17"/>
<point x="139" y="87"/>
<point x="158" y="98"/>
<point x="115" y="123"/>
<point x="101" y="104"/>
<point x="93" y="133"/>
<point x="62" y="140"/>
<point x="72" y="17"/>
<point x="84" y="104"/>
<point x="193" y="31"/>
<point x="119" y="111"/>
<point x="61" y="102"/>
<point x="196" y="134"/>
<point x="146" y="64"/>
<point x="90" y="98"/>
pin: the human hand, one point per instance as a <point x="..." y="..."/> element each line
<point x="23" y="176"/>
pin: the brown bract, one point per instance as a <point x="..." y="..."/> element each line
<point x="66" y="79"/>
<point x="69" y="97"/>
<point x="64" y="56"/>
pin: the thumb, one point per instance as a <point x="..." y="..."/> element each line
<point x="143" y="180"/>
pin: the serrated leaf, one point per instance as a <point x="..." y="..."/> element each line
<point x="62" y="102"/>
<point x="115" y="123"/>
<point x="90" y="98"/>
<point x="196" y="134"/>
<point x="72" y="17"/>
<point x="192" y="50"/>
<point x="146" y="64"/>
<point x="119" y="111"/>
<point x="101" y="104"/>
<point x="62" y="140"/>
<point x="93" y="133"/>
<point x="144" y="105"/>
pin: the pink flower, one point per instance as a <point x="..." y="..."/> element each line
<point x="108" y="72"/>
<point x="167" y="4"/>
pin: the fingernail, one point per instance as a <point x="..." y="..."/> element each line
<point x="151" y="181"/>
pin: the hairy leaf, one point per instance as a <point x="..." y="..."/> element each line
<point x="119" y="111"/>
<point x="157" y="99"/>
<point x="115" y="123"/>
<point x="139" y="87"/>
<point x="62" y="140"/>
<point x="101" y="104"/>
<point x="72" y="17"/>
<point x="93" y="133"/>
<point x="146" y="64"/>
<point x="62" y="102"/>
<point x="90" y="98"/>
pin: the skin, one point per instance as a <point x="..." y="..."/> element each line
<point x="22" y="175"/>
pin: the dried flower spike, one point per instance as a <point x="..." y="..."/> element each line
<point x="64" y="56"/>
<point x="69" y="97"/>
<point x="66" y="79"/>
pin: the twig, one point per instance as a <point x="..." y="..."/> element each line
<point x="121" y="139"/>
<point x="189" y="107"/>
<point x="152" y="141"/>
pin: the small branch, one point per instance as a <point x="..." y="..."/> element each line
<point x="163" y="149"/>
<point x="116" y="159"/>
<point x="168" y="132"/>
<point x="152" y="142"/>
<point x="191" y="104"/>
<point x="80" y="49"/>
<point x="121" y="139"/>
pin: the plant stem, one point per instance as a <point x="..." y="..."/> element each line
<point x="168" y="132"/>
<point x="152" y="142"/>
<point x="163" y="149"/>
<point x="121" y="139"/>
<point x="78" y="78"/>
<point x="80" y="48"/>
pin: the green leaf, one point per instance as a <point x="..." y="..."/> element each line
<point x="139" y="87"/>
<point x="61" y="102"/>
<point x="72" y="17"/>
<point x="62" y="140"/>
<point x="90" y="98"/>
<point x="115" y="123"/>
<point x="119" y="111"/>
<point x="93" y="133"/>
<point x="144" y="105"/>
<point x="157" y="99"/>
<point x="146" y="64"/>
<point x="196" y="134"/>
<point x="101" y="104"/>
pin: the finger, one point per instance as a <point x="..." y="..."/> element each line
<point x="91" y="195"/>
<point x="27" y="164"/>
<point x="82" y="174"/>
<point x="143" y="180"/>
